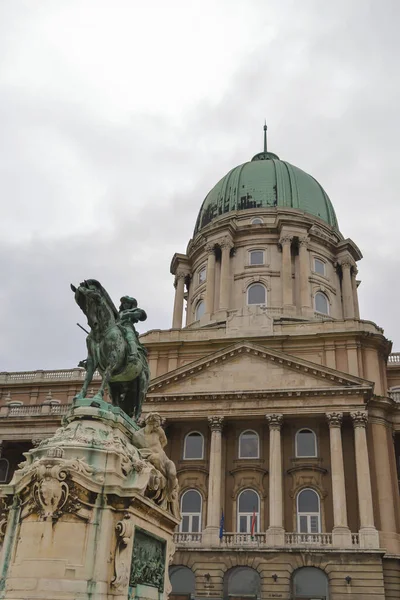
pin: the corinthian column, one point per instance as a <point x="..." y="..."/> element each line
<point x="214" y="482"/>
<point x="275" y="534"/>
<point x="341" y="532"/>
<point x="355" y="292"/>
<point x="286" y="273"/>
<point x="304" y="261"/>
<point x="178" y="303"/>
<point x="347" y="290"/>
<point x="225" y="284"/>
<point x="210" y="285"/>
<point x="368" y="534"/>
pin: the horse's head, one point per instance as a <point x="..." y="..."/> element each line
<point x="93" y="301"/>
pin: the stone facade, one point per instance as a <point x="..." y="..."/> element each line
<point x="281" y="409"/>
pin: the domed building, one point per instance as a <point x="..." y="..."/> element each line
<point x="281" y="404"/>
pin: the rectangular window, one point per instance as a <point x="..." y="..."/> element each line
<point x="303" y="524"/>
<point x="202" y="275"/>
<point x="319" y="266"/>
<point x="195" y="524"/>
<point x="256" y="257"/>
<point x="185" y="523"/>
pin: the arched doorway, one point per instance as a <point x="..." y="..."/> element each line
<point x="183" y="583"/>
<point x="310" y="583"/>
<point x="242" y="583"/>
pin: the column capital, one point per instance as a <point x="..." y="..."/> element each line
<point x="346" y="263"/>
<point x="304" y="241"/>
<point x="210" y="248"/>
<point x="285" y="239"/>
<point x="274" y="421"/>
<point x="334" y="419"/>
<point x="226" y="242"/>
<point x="359" y="418"/>
<point x="215" y="423"/>
<point x="181" y="274"/>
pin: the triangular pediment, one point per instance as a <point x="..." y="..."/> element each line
<point x="248" y="367"/>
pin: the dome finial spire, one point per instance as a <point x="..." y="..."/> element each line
<point x="265" y="135"/>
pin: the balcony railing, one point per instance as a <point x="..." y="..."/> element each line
<point x="243" y="539"/>
<point x="36" y="376"/>
<point x="187" y="538"/>
<point x="308" y="539"/>
<point x="394" y="359"/>
<point x="34" y="410"/>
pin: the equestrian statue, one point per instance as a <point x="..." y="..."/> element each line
<point x="114" y="348"/>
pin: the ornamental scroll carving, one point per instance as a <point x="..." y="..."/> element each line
<point x="123" y="554"/>
<point x="274" y="421"/>
<point x="359" y="418"/>
<point x="304" y="241"/>
<point x="285" y="239"/>
<point x="226" y="242"/>
<point x="215" y="423"/>
<point x="334" y="419"/>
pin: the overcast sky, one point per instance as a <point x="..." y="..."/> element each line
<point x="118" y="116"/>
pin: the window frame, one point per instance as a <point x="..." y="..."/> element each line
<point x="191" y="514"/>
<point x="315" y="443"/>
<point x="327" y="314"/>
<point x="250" y="252"/>
<point x="202" y="446"/>
<point x="258" y="220"/>
<point x="308" y="515"/>
<point x="258" y="445"/>
<point x="248" y="290"/>
<point x="198" y="303"/>
<point x="199" y="271"/>
<point x="323" y="262"/>
<point x="5" y="460"/>
<point x="248" y="515"/>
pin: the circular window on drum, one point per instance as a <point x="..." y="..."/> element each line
<point x="256" y="294"/>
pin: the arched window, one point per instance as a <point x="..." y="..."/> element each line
<point x="183" y="583"/>
<point x="191" y="502"/>
<point x="193" y="446"/>
<point x="310" y="582"/>
<point x="319" y="266"/>
<point x="242" y="582"/>
<point x="200" y="309"/>
<point x="249" y="445"/>
<point x="308" y="512"/>
<point x="257" y="221"/>
<point x="201" y="275"/>
<point x="306" y="443"/>
<point x="321" y="303"/>
<point x="256" y="294"/>
<point x="4" y="466"/>
<point x="248" y="511"/>
<point x="256" y="257"/>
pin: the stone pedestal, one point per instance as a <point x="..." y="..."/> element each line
<point x="87" y="516"/>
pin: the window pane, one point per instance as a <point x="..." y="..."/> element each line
<point x="248" y="445"/>
<point x="243" y="525"/>
<point x="194" y="446"/>
<point x="319" y="266"/>
<point x="191" y="502"/>
<point x="256" y="294"/>
<point x="303" y="525"/>
<point x="202" y="275"/>
<point x="200" y="310"/>
<point x="314" y="524"/>
<point x="308" y="502"/>
<point x="257" y="221"/>
<point x="195" y="524"/>
<point x="248" y="501"/>
<point x="305" y="443"/>
<point x="321" y="303"/>
<point x="185" y="524"/>
<point x="257" y="257"/>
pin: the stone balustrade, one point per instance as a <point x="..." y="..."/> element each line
<point x="308" y="539"/>
<point x="44" y="376"/>
<point x="187" y="538"/>
<point x="33" y="410"/>
<point x="394" y="358"/>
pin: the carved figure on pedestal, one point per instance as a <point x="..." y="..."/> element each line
<point x="151" y="440"/>
<point x="113" y="347"/>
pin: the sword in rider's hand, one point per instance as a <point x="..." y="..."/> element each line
<point x="85" y="330"/>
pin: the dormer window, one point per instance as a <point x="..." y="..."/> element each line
<point x="319" y="266"/>
<point x="256" y="257"/>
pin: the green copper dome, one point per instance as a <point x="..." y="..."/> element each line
<point x="266" y="182"/>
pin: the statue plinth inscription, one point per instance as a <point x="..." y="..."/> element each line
<point x="92" y="511"/>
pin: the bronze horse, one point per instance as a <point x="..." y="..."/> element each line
<point x="124" y="370"/>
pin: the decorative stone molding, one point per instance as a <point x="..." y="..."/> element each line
<point x="210" y="248"/>
<point x="226" y="242"/>
<point x="346" y="263"/>
<point x="359" y="418"/>
<point x="334" y="419"/>
<point x="215" y="423"/>
<point x="304" y="241"/>
<point x="123" y="554"/>
<point x="285" y="239"/>
<point x="274" y="421"/>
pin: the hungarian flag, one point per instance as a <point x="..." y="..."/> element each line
<point x="253" y="523"/>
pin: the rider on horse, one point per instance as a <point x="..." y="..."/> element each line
<point x="129" y="315"/>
